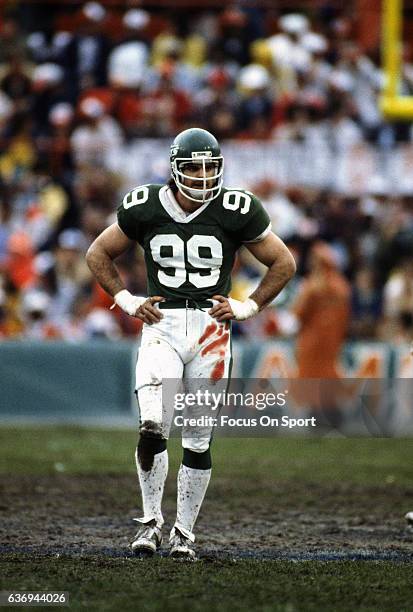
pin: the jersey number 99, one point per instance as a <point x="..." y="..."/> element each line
<point x="202" y="252"/>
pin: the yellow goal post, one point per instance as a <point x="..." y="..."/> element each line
<point x="392" y="104"/>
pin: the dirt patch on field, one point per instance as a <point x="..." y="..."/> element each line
<point x="92" y="514"/>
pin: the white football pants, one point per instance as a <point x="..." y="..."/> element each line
<point x="187" y="348"/>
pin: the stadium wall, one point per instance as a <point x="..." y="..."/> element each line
<point x="93" y="382"/>
<point x="66" y="382"/>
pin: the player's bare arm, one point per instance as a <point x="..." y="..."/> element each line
<point x="273" y="253"/>
<point x="111" y="243"/>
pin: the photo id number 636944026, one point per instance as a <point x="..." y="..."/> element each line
<point x="34" y="598"/>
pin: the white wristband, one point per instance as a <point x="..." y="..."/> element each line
<point x="243" y="310"/>
<point x="128" y="302"/>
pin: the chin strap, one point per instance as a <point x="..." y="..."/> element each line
<point x="194" y="192"/>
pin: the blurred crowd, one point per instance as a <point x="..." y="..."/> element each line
<point x="80" y="80"/>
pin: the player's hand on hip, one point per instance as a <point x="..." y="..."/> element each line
<point x="138" y="306"/>
<point x="228" y="308"/>
<point x="148" y="312"/>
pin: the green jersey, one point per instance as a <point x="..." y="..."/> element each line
<point x="190" y="256"/>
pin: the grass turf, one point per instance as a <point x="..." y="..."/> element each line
<point x="241" y="467"/>
<point x="83" y="450"/>
<point x="128" y="584"/>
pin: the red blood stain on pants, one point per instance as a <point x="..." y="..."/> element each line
<point x="218" y="371"/>
<point x="212" y="327"/>
<point x="216" y="346"/>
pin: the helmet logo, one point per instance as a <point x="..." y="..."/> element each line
<point x="196" y="154"/>
<point x="174" y="149"/>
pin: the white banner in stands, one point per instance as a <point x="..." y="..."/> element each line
<point x="352" y="171"/>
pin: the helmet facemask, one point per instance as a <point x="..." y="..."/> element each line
<point x="207" y="187"/>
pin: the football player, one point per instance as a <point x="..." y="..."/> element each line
<point x="190" y="230"/>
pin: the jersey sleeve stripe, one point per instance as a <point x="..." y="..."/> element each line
<point x="260" y="237"/>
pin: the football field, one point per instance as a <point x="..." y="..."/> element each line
<point x="287" y="524"/>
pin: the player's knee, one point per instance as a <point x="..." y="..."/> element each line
<point x="197" y="460"/>
<point x="151" y="429"/>
<point x="151" y="442"/>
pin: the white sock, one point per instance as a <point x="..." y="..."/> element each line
<point x="152" y="483"/>
<point x="192" y="486"/>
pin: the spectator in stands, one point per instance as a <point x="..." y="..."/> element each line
<point x="99" y="324"/>
<point x="366" y="305"/>
<point x="216" y="103"/>
<point x="256" y="102"/>
<point x="288" y="55"/>
<point x="12" y="39"/>
<point x="5" y="225"/>
<point x="342" y="132"/>
<point x="322" y="309"/>
<point x="55" y="148"/>
<point x="286" y="218"/>
<point x="128" y="60"/>
<point x="16" y="84"/>
<point x="19" y="263"/>
<point x="35" y="306"/>
<point x="48" y="90"/>
<point x="97" y="135"/>
<point x="48" y="46"/>
<point x="234" y="35"/>
<point x="87" y="53"/>
<point x="301" y="126"/>
<point x="167" y="52"/>
<point x="70" y="273"/>
<point x="11" y="323"/>
<point x="127" y="71"/>
<point x="166" y="109"/>
<point x="6" y="112"/>
<point x="398" y="303"/>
